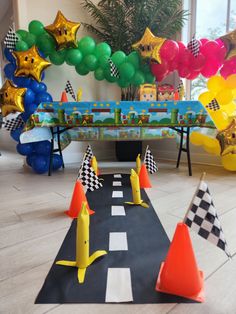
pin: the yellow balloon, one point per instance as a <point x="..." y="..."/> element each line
<point x="230" y="109"/>
<point x="206" y="97"/>
<point x="231" y="81"/>
<point x="224" y="97"/>
<point x="211" y="145"/>
<point x="196" y="138"/>
<point x="215" y="84"/>
<point x="229" y="162"/>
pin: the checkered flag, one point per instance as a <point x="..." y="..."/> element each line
<point x="202" y="217"/>
<point x="13" y="124"/>
<point x="69" y="90"/>
<point x="113" y="69"/>
<point x="194" y="46"/>
<point x="89" y="153"/>
<point x="11" y="39"/>
<point x="180" y="86"/>
<point x="149" y="161"/>
<point x="213" y="105"/>
<point x="88" y="177"/>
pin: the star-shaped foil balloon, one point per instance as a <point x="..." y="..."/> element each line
<point x="63" y="31"/>
<point x="149" y="45"/>
<point x="30" y="63"/>
<point x="230" y="43"/>
<point x="12" y="98"/>
<point x="227" y="139"/>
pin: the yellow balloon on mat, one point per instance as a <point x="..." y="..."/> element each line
<point x="196" y="138"/>
<point x="229" y="162"/>
<point x="231" y="81"/>
<point x="224" y="97"/>
<point x="216" y="83"/>
<point x="206" y="97"/>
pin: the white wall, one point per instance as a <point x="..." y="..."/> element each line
<point x="45" y="11"/>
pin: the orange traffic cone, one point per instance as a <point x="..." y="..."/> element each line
<point x="179" y="274"/>
<point x="144" y="178"/>
<point x="64" y="97"/>
<point x="78" y="198"/>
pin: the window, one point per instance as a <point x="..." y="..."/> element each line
<point x="207" y="19"/>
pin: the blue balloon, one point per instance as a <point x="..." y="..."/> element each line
<point x="30" y="109"/>
<point x="30" y="158"/>
<point x="43" y="147"/>
<point x="40" y="164"/>
<point x="9" y="56"/>
<point x="24" y="149"/>
<point x="29" y="97"/>
<point x="25" y="116"/>
<point x="43" y="75"/>
<point x="9" y="70"/>
<point x="21" y="81"/>
<point x="15" y="134"/>
<point x="43" y="97"/>
<point x="38" y="87"/>
<point x="57" y="162"/>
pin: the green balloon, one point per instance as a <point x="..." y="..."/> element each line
<point x="145" y="68"/>
<point x="22" y="33"/>
<point x="99" y="74"/>
<point x="102" y="49"/>
<point x="46" y="43"/>
<point x="103" y="61"/>
<point x="91" y="62"/>
<point x="30" y="39"/>
<point x="138" y="78"/>
<point x="122" y="83"/>
<point x="57" y="57"/>
<point x="134" y="59"/>
<point x="107" y="74"/>
<point x="127" y="71"/>
<point x="82" y="69"/>
<point x="149" y="78"/>
<point x="86" y="45"/>
<point x="21" y="46"/>
<point x="118" y="57"/>
<point x="36" y="28"/>
<point x="73" y="56"/>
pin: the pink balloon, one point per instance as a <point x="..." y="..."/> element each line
<point x="173" y="65"/>
<point x="184" y="71"/>
<point x="193" y="75"/>
<point x="203" y="41"/>
<point x="196" y="64"/>
<point x="184" y="58"/>
<point x="220" y="42"/>
<point x="159" y="70"/>
<point x="182" y="46"/>
<point x="229" y="67"/>
<point x="210" y="68"/>
<point x="210" y="48"/>
<point x="169" y="50"/>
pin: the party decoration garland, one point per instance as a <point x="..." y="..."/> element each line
<point x="153" y="59"/>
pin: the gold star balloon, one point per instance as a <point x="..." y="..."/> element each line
<point x="149" y="45"/>
<point x="227" y="139"/>
<point x="230" y="43"/>
<point x="63" y="31"/>
<point x="30" y="63"/>
<point x="12" y="98"/>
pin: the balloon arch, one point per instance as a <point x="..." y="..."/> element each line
<point x="152" y="60"/>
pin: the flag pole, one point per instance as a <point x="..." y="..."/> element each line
<point x="203" y="175"/>
<point x="145" y="152"/>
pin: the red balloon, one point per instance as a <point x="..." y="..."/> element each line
<point x="169" y="50"/>
<point x="196" y="64"/>
<point x="203" y="41"/>
<point x="210" y="48"/>
<point x="184" y="71"/>
<point x="182" y="46"/>
<point x="173" y="65"/>
<point x="220" y="42"/>
<point x="184" y="58"/>
<point x="159" y="70"/>
<point x="211" y="67"/>
<point x="193" y="75"/>
<point x="229" y="67"/>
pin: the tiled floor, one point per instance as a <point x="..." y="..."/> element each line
<point x="33" y="227"/>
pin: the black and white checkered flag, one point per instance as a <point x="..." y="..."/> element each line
<point x="149" y="161"/>
<point x="89" y="153"/>
<point x="11" y="39"/>
<point x="69" y="90"/>
<point x="14" y="123"/>
<point x="202" y="217"/>
<point x="194" y="46"/>
<point x="213" y="105"/>
<point x="88" y="177"/>
<point x="113" y="69"/>
<point x="180" y="86"/>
